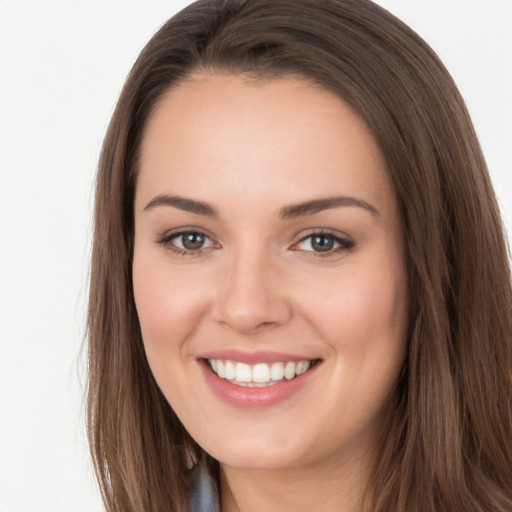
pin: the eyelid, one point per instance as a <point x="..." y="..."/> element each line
<point x="346" y="243"/>
<point x="166" y="238"/>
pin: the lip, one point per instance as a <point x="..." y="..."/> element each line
<point x="254" y="397"/>
<point x="254" y="357"/>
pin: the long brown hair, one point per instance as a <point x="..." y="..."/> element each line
<point x="447" y="443"/>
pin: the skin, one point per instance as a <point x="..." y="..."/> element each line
<point x="249" y="150"/>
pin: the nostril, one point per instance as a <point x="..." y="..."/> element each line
<point x="249" y="302"/>
<point x="246" y="326"/>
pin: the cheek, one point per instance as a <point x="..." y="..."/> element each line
<point x="363" y="316"/>
<point x="364" y="321"/>
<point x="169" y="307"/>
<point x="169" y="304"/>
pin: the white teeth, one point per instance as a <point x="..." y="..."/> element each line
<point x="289" y="370"/>
<point x="243" y="372"/>
<point x="302" y="367"/>
<point x="259" y="374"/>
<point x="276" y="371"/>
<point x="229" y="370"/>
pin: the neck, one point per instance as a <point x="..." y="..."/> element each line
<point x="335" y="487"/>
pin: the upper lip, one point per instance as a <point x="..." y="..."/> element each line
<point x="254" y="357"/>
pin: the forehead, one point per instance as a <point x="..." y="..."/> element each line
<point x="272" y="138"/>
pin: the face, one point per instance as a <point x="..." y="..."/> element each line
<point x="268" y="270"/>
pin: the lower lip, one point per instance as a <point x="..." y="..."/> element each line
<point x="245" y="397"/>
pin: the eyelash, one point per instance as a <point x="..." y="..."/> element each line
<point x="166" y="241"/>
<point x="344" y="244"/>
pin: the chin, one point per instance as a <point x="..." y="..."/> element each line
<point x="258" y="452"/>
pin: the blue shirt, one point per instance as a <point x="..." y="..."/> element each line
<point x="204" y="493"/>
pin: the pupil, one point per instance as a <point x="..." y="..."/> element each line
<point x="322" y="243"/>
<point x="193" y="241"/>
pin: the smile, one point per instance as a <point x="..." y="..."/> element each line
<point x="259" y="379"/>
<point x="258" y="375"/>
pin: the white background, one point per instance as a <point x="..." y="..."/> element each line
<point x="62" y="65"/>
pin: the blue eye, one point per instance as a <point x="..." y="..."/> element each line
<point x="324" y="243"/>
<point x="191" y="241"/>
<point x="186" y="242"/>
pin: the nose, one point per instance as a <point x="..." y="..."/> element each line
<point x="252" y="296"/>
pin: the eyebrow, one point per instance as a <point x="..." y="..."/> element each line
<point x="182" y="203"/>
<point x="318" y="205"/>
<point x="288" y="212"/>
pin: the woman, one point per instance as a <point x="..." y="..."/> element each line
<point x="300" y="292"/>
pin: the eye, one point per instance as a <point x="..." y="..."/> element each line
<point x="186" y="242"/>
<point x="324" y="243"/>
<point x="191" y="241"/>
